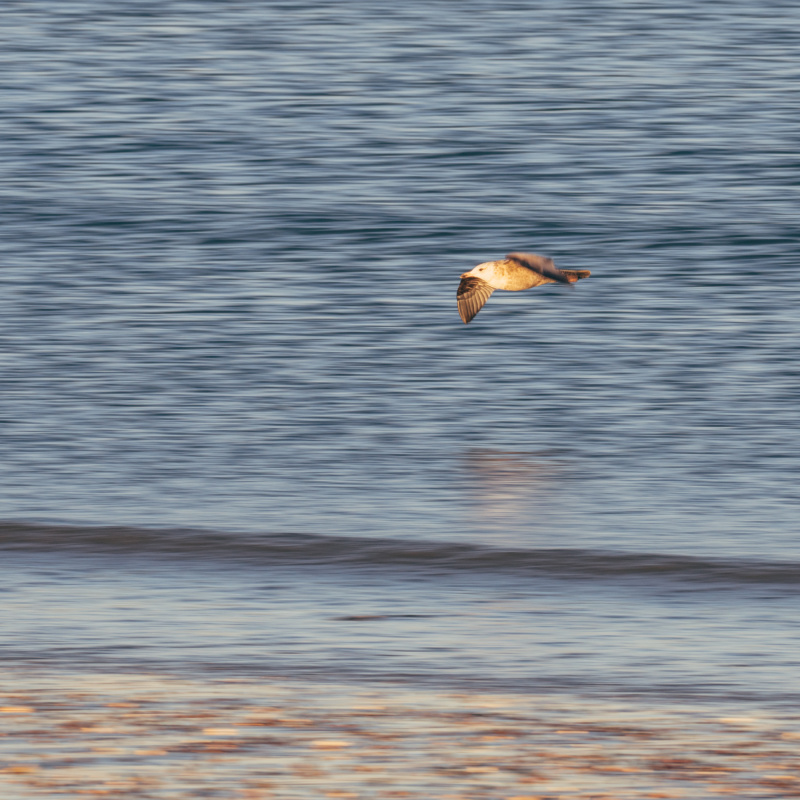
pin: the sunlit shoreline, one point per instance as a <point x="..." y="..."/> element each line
<point x="164" y="736"/>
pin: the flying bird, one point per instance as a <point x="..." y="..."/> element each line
<point x="515" y="272"/>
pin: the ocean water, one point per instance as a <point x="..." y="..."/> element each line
<point x="243" y="428"/>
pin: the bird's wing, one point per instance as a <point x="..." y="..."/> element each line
<point x="541" y="264"/>
<point x="471" y="295"/>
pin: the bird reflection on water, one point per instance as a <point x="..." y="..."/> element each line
<point x="511" y="490"/>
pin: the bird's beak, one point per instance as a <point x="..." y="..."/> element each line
<point x="466" y="274"/>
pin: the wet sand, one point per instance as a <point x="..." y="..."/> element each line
<point x="158" y="736"/>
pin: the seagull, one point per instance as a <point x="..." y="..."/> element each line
<point x="515" y="272"/>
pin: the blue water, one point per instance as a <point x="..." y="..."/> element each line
<point x="243" y="427"/>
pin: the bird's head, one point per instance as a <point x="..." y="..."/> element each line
<point x="481" y="271"/>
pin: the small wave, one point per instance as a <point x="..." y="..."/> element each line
<point x="297" y="549"/>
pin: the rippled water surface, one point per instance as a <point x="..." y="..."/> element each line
<point x="235" y="384"/>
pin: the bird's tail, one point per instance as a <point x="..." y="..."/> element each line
<point x="576" y="274"/>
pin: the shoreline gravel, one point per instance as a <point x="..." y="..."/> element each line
<point x="167" y="737"/>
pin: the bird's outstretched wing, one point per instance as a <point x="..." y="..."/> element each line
<point x="471" y="295"/>
<point x="541" y="264"/>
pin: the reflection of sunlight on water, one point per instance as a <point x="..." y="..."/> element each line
<point x="508" y="490"/>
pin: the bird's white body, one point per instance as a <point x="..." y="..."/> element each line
<point x="507" y="275"/>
